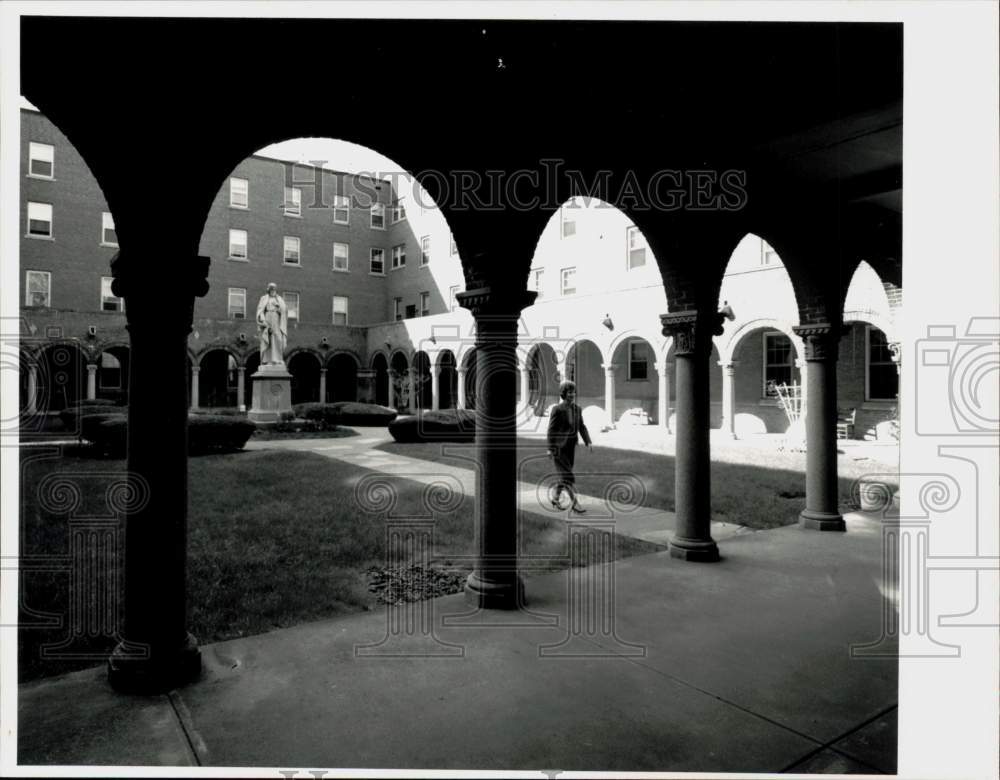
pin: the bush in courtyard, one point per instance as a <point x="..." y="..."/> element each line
<point x="458" y="425"/>
<point x="324" y="417"/>
<point x="108" y="432"/>
<point x="356" y="413"/>
<point x="212" y="432"/>
<point x="71" y="415"/>
<point x="220" y="412"/>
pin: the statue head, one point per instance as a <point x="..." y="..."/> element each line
<point x="272" y="289"/>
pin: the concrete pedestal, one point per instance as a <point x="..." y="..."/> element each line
<point x="272" y="393"/>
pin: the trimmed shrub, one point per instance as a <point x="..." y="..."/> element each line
<point x="356" y="413"/>
<point x="208" y="432"/>
<point x="71" y="414"/>
<point x="324" y="417"/>
<point x="108" y="432"/>
<point x="220" y="412"/>
<point x="457" y="425"/>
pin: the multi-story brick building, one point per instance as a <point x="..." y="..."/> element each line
<point x="369" y="271"/>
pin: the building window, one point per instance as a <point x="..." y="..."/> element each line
<point x="425" y="250"/>
<point x="777" y="362"/>
<point x="293" y="202"/>
<point x="291" y="304"/>
<point x="110" y="301"/>
<point x="341" y="210"/>
<point x="239" y="193"/>
<point x="398" y="256"/>
<point x="411" y="311"/>
<point x="397" y="308"/>
<point x="238" y="244"/>
<point x="110" y="375"/>
<point x="883" y="378"/>
<point x="41" y="160"/>
<point x="636" y="248"/>
<point x="398" y="211"/>
<point x="767" y="255"/>
<point x="291" y="252"/>
<point x="535" y="277"/>
<point x="377" y="261"/>
<point x="237" y="303"/>
<point x="453" y="249"/>
<point x="453" y="297"/>
<point x="378" y="216"/>
<point x="567" y="219"/>
<point x="425" y="304"/>
<point x="339" y="310"/>
<point x="568" y="286"/>
<point x="109" y="236"/>
<point x="37" y="288"/>
<point x="340" y="256"/>
<point x="638" y="361"/>
<point x="40" y="219"/>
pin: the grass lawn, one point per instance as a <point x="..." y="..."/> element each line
<point x="758" y="488"/>
<point x="275" y="539"/>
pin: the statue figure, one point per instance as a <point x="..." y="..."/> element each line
<point x="272" y="322"/>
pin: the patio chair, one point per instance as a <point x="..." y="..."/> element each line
<point x="845" y="423"/>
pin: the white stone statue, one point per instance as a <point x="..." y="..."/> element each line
<point x="272" y="323"/>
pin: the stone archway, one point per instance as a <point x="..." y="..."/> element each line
<point x="341" y="378"/>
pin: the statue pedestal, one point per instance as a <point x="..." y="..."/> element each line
<point x="272" y="393"/>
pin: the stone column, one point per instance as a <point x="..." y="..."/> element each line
<point x="32" y="400"/>
<point x="663" y="395"/>
<point x="241" y="372"/>
<point x="412" y="378"/>
<point x="728" y="398"/>
<point x="692" y="333"/>
<point x="91" y="381"/>
<point x="460" y="388"/>
<point x="195" y="371"/>
<point x="156" y="652"/>
<point x="495" y="582"/>
<point x="822" y="505"/>
<point x="322" y="385"/>
<point x="391" y="397"/>
<point x="800" y="364"/>
<point x="525" y="388"/>
<point x="609" y="392"/>
<point x="435" y="387"/>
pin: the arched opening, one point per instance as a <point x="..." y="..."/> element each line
<point x="867" y="382"/>
<point x="61" y="378"/>
<point x="422" y="381"/>
<point x="400" y="381"/>
<point x="251" y="364"/>
<point x="447" y="379"/>
<point x="381" y="367"/>
<point x="217" y="380"/>
<point x="469" y="363"/>
<point x="636" y="382"/>
<point x="304" y="368"/>
<point x="765" y="360"/>
<point x="543" y="378"/>
<point x="342" y="378"/>
<point x="112" y="374"/>
<point x="584" y="364"/>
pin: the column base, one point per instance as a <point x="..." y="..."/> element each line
<point x="492" y="594"/>
<point x="697" y="550"/>
<point x="128" y="672"/>
<point x="821" y="521"/>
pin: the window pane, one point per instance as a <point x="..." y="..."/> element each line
<point x="41" y="158"/>
<point x="883" y="382"/>
<point x="291" y="304"/>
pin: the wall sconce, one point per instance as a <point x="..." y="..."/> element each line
<point x="607" y="323"/>
<point x="727" y="311"/>
<point x="388" y="346"/>
<point x="433" y="339"/>
<point x="242" y="338"/>
<point x="324" y="343"/>
<point x="91" y="331"/>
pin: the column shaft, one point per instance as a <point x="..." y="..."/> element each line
<point x="460" y="389"/>
<point x="241" y="388"/>
<point x="662" y="396"/>
<point x="195" y="371"/>
<point x="609" y="394"/>
<point x="322" y="385"/>
<point x="91" y="381"/>
<point x="435" y="387"/>
<point x="32" y="400"/>
<point x="525" y="387"/>
<point x="728" y="399"/>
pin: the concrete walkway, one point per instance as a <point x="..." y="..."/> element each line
<point x="643" y="664"/>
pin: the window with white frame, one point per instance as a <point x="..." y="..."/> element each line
<point x="293" y="202"/>
<point x="378" y="216"/>
<point x="638" y="361"/>
<point x="397" y="308"/>
<point x="341" y="257"/>
<point x="109" y="236"/>
<point x="453" y="297"/>
<point x="342" y="210"/>
<point x="398" y="256"/>
<point x="778" y="362"/>
<point x="636" y="248"/>
<point x="39" y="220"/>
<point x="398" y="211"/>
<point x="41" y="160"/>
<point x="110" y="375"/>
<point x="453" y="249"/>
<point x="767" y="254"/>
<point x="37" y="288"/>
<point x="238" y="244"/>
<point x="535" y="277"/>
<point x="239" y="193"/>
<point x="425" y="250"/>
<point x="291" y="304"/>
<point x="567" y="217"/>
<point x="568" y="281"/>
<point x="376" y="261"/>
<point x="881" y="373"/>
<point x="237" y="303"/>
<point x="292" y="255"/>
<point x="110" y="301"/>
<point x="339" y="310"/>
<point x="425" y="304"/>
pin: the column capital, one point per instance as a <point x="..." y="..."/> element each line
<point x="92" y="368"/>
<point x="729" y="365"/>
<point x="821" y="340"/>
<point x="895" y="352"/>
<point x="159" y="287"/>
<point x="496" y="301"/>
<point x="609" y="368"/>
<point x="692" y="330"/>
<point x="195" y="369"/>
<point x="460" y="370"/>
<point x="323" y="370"/>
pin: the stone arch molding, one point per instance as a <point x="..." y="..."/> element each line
<point x="879" y="319"/>
<point x="327" y="361"/>
<point x="727" y="349"/>
<point x="656" y="341"/>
